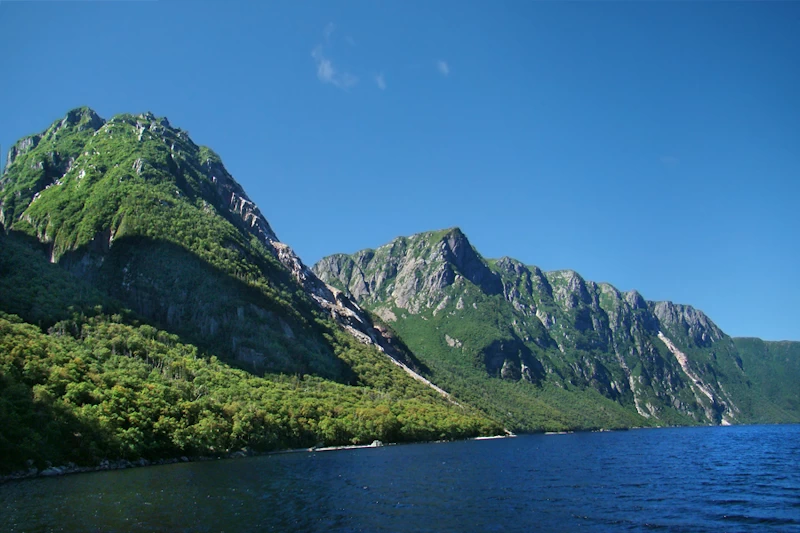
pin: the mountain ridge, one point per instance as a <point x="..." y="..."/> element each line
<point x="662" y="358"/>
<point x="458" y="233"/>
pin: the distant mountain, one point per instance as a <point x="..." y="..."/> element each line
<point x="550" y="350"/>
<point x="149" y="310"/>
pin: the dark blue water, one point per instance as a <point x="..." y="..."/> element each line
<point x="691" y="479"/>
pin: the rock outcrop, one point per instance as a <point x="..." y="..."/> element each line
<point x="548" y="326"/>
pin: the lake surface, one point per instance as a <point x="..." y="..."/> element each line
<point x="730" y="479"/>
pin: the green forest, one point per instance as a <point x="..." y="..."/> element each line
<point x="93" y="388"/>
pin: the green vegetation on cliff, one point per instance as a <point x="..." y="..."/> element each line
<point x="135" y="207"/>
<point x="550" y="350"/>
<point x="148" y="311"/>
<point x="774" y="371"/>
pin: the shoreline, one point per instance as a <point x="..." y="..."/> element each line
<point x="124" y="464"/>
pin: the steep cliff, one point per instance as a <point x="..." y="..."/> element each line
<point x="666" y="363"/>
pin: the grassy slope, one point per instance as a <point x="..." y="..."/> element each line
<point x="774" y="372"/>
<point x="521" y="406"/>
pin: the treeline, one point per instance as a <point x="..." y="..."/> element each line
<point x="92" y="388"/>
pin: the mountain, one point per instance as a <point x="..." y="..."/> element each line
<point x="148" y="310"/>
<point x="133" y="204"/>
<point x="550" y="350"/>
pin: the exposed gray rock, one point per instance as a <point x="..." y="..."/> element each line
<point x="686" y="320"/>
<point x="453" y="343"/>
<point x="590" y="334"/>
<point x="635" y="300"/>
<point x="458" y="251"/>
<point x="237" y="202"/>
<point x="340" y="307"/>
<point x="22" y="147"/>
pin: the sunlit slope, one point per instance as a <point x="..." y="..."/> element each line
<point x="550" y="350"/>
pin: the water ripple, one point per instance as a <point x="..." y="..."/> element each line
<point x="739" y="479"/>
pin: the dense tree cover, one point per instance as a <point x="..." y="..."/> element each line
<point x="40" y="291"/>
<point x="774" y="371"/>
<point x="94" y="388"/>
<point x="80" y="385"/>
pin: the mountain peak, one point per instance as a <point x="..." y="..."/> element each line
<point x="432" y="237"/>
<point x="81" y="116"/>
<point x="136" y="176"/>
<point x="635" y="300"/>
<point x="454" y="232"/>
<point x="686" y="320"/>
<point x="460" y="252"/>
<point x="509" y="264"/>
<point x="142" y="119"/>
<point x="413" y="272"/>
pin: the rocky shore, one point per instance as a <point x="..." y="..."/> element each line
<point x="121" y="464"/>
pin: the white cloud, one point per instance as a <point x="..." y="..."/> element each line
<point x="324" y="67"/>
<point x="328" y="31"/>
<point x="328" y="73"/>
<point x="443" y="67"/>
<point x="380" y="81"/>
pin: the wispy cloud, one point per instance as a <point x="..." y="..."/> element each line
<point x="326" y="71"/>
<point x="443" y="67"/>
<point x="328" y="31"/>
<point x="380" y="81"/>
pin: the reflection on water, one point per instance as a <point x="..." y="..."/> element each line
<point x="691" y="479"/>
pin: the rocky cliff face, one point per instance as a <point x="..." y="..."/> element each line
<point x="134" y="202"/>
<point x="667" y="362"/>
<point x="412" y="273"/>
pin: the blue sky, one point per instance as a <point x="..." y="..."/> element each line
<point x="652" y="145"/>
